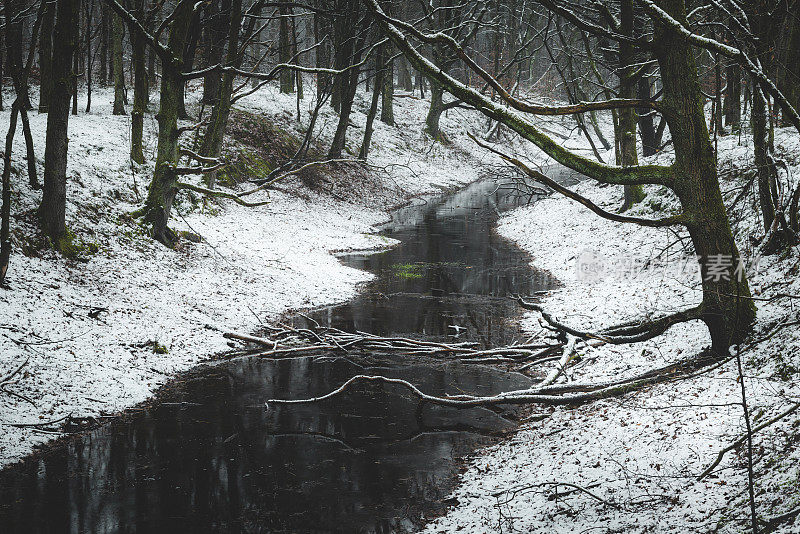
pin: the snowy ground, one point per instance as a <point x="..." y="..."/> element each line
<point x="639" y="455"/>
<point x="100" y="335"/>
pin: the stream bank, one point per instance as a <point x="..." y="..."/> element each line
<point x="208" y="455"/>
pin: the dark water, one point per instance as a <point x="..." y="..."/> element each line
<point x="450" y="275"/>
<point x="207" y="456"/>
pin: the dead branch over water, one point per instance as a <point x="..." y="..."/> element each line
<point x="560" y="344"/>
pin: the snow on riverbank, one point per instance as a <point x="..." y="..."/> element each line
<point x="638" y="456"/>
<point x="101" y="335"/>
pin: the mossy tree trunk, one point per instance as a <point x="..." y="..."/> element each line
<point x="162" y="190"/>
<point x="52" y="210"/>
<point x="727" y="307"/>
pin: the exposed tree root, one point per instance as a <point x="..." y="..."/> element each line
<point x="624" y="333"/>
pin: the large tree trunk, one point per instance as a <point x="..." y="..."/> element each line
<point x="139" y="89"/>
<point x="162" y="188"/>
<point x="727" y="307"/>
<point x="54" y="196"/>
<point x="435" y="111"/>
<point x="119" y="73"/>
<point x="215" y="133"/>
<point x="46" y="56"/>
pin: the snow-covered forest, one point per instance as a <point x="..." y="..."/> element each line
<point x="399" y="266"/>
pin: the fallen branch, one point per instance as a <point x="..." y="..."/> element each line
<point x="221" y="194"/>
<point x="742" y="439"/>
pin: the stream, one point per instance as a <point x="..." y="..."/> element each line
<point x="206" y="455"/>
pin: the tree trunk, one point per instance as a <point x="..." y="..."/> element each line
<point x="733" y="97"/>
<point x="104" y="30"/>
<point x="764" y="168"/>
<point x="627" y="116"/>
<point x="54" y="196"/>
<point x="19" y="78"/>
<point x="89" y="10"/>
<point x="349" y="83"/>
<point x="215" y="133"/>
<point x="435" y="112"/>
<point x="285" y="51"/>
<point x="380" y="69"/>
<point x="46" y="56"/>
<point x="405" y="79"/>
<point x="188" y="60"/>
<point x="76" y="67"/>
<point x="2" y="47"/>
<point x="215" y="35"/>
<point x="14" y="18"/>
<point x="647" y="127"/>
<point x="152" y="77"/>
<point x="5" y="210"/>
<point x="139" y="88"/>
<point x="789" y="62"/>
<point x="162" y="188"/>
<point x="119" y="74"/>
<point x="727" y="317"/>
<point x="387" y="100"/>
<point x="323" y="57"/>
<point x="30" y="154"/>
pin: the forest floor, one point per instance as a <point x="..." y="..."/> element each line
<point x="100" y="331"/>
<point x="159" y="312"/>
<point x="639" y="456"/>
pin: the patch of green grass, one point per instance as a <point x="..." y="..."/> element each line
<point x="75" y="248"/>
<point x="408" y="270"/>
<point x="245" y="165"/>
